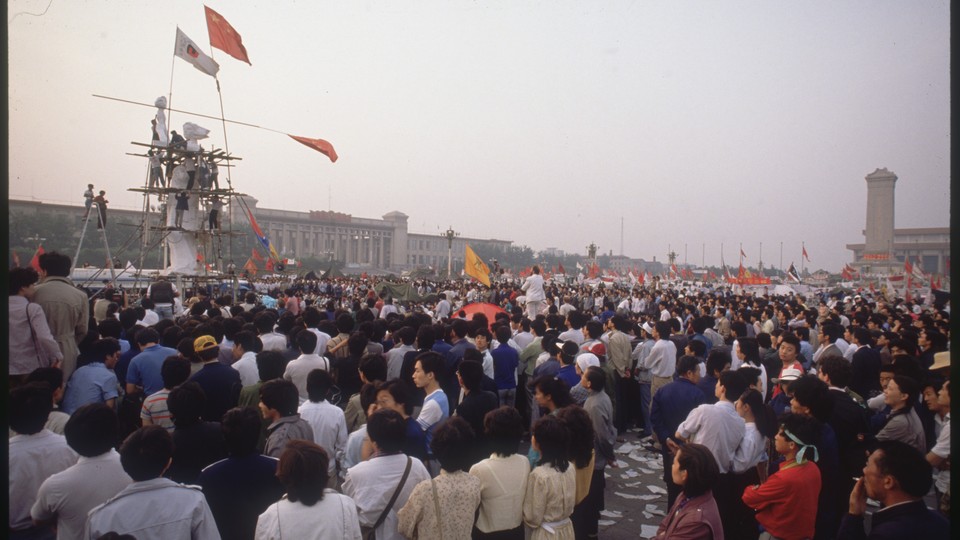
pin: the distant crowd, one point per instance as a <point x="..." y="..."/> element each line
<point x="332" y="409"/>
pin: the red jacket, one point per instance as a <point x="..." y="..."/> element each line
<point x="786" y="504"/>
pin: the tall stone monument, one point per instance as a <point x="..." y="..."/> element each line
<point x="878" y="249"/>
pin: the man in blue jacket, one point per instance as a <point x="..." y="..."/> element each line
<point x="670" y="407"/>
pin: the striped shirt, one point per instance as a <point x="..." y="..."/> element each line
<point x="155" y="410"/>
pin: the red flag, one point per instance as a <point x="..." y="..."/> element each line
<point x="319" y="145"/>
<point x="907" y="267"/>
<point x="250" y="267"/>
<point x="199" y="257"/>
<point x="224" y="37"/>
<point x="35" y="261"/>
<point x="256" y="255"/>
<point x="16" y="260"/>
<point x="805" y="256"/>
<point x="299" y="263"/>
<point x="560" y="269"/>
<point x="270" y="265"/>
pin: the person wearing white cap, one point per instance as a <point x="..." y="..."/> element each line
<point x="781" y="402"/>
<point x="578" y="393"/>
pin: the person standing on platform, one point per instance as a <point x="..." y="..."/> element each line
<point x="163" y="294"/>
<point x="156" y="173"/>
<point x="214" y="174"/>
<point x="101" y="209"/>
<point x="87" y="200"/>
<point x="216" y="205"/>
<point x="190" y="165"/>
<point x="533" y="287"/>
<point x="183" y="204"/>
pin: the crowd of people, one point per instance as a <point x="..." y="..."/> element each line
<point x="327" y="409"/>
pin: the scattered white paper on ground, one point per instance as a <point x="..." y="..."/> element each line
<point x="605" y="522"/>
<point x="649" y="497"/>
<point x="611" y="514"/>
<point x="644" y="471"/>
<point x="626" y="448"/>
<point x="633" y="484"/>
<point x="626" y="495"/>
<point x="657" y="489"/>
<point x="647" y="515"/>
<point x="648" y="531"/>
<point x="622" y="464"/>
<point x="630" y="474"/>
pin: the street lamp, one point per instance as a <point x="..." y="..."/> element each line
<point x="449" y="234"/>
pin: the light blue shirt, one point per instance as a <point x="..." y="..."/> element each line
<point x="145" y="368"/>
<point x="92" y="383"/>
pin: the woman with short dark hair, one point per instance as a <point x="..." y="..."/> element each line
<point x="551" y="488"/>
<point x="694" y="515"/>
<point x="308" y="510"/>
<point x="454" y="491"/>
<point x="503" y="478"/>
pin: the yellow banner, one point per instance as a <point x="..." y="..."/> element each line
<point x="474" y="267"/>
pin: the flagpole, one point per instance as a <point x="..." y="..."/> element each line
<point x="165" y="243"/>
<point x="803" y="264"/>
<point x="173" y="63"/>
<point x="781" y="259"/>
<point x="226" y="149"/>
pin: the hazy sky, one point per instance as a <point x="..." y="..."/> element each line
<point x="697" y="122"/>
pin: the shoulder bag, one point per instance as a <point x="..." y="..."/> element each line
<point x="370" y="533"/>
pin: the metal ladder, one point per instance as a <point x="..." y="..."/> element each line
<point x="106" y="245"/>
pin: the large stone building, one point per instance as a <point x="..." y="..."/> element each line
<point x="886" y="248"/>
<point x="369" y="244"/>
<point x="384" y="244"/>
<point x="622" y="265"/>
